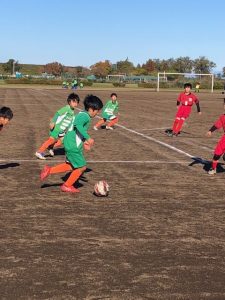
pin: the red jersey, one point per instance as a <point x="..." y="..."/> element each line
<point x="220" y="123"/>
<point x="187" y="100"/>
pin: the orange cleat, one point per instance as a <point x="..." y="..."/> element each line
<point x="69" y="189"/>
<point x="45" y="172"/>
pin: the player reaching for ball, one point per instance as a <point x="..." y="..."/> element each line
<point x="74" y="141"/>
<point x="184" y="104"/>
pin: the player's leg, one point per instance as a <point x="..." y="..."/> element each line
<point x="112" y="122"/>
<point x="218" y="152"/>
<point x="99" y="123"/>
<point x="47" y="170"/>
<point x="74" y="176"/>
<point x="179" y="126"/>
<point x="78" y="163"/>
<point x="40" y="153"/>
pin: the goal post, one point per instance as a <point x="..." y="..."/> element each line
<point x="188" y="75"/>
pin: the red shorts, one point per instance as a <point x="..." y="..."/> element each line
<point x="220" y="147"/>
<point x="183" y="112"/>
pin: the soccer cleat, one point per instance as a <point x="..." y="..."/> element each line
<point x="45" y="172"/>
<point x="170" y="134"/>
<point x="109" y="128"/>
<point x="95" y="128"/>
<point x="51" y="152"/>
<point x="40" y="155"/>
<point x="68" y="189"/>
<point x="212" y="171"/>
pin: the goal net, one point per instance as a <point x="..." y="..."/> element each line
<point x="177" y="80"/>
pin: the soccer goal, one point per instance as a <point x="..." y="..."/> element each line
<point x="176" y="80"/>
<point x="117" y="77"/>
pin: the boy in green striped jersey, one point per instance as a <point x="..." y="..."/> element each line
<point x="75" y="140"/>
<point x="59" y="126"/>
<point x="109" y="113"/>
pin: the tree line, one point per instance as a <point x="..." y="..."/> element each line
<point x="103" y="68"/>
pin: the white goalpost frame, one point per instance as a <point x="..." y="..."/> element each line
<point x="189" y="74"/>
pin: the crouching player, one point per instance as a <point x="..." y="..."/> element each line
<point x="58" y="126"/>
<point x="109" y="113"/>
<point x="184" y="104"/>
<point x="220" y="147"/>
<point x="74" y="141"/>
<point x="6" y="115"/>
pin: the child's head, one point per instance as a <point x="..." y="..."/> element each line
<point x="113" y="96"/>
<point x="6" y="115"/>
<point x="187" y="87"/>
<point x="92" y="105"/>
<point x="73" y="100"/>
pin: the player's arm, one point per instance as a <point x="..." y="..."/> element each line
<point x="53" y="121"/>
<point x="215" y="126"/>
<point x="116" y="109"/>
<point x="198" y="107"/>
<point x="80" y="122"/>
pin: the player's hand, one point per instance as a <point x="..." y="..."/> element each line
<point x="209" y="133"/>
<point x="90" y="141"/>
<point x="87" y="146"/>
<point x="51" y="126"/>
<point x="200" y="113"/>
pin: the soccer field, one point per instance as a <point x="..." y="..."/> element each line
<point x="160" y="234"/>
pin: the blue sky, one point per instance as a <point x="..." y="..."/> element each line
<point x="75" y="32"/>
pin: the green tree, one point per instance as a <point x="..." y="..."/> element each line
<point x="11" y="66"/>
<point x="125" y="66"/>
<point x="203" y="65"/>
<point x="183" y="64"/>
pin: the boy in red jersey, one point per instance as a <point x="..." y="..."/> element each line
<point x="184" y="104"/>
<point x="220" y="147"/>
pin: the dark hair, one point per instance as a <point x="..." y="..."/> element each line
<point x="188" y="85"/>
<point x="113" y="94"/>
<point x="73" y="97"/>
<point x="93" y="102"/>
<point x="6" y="113"/>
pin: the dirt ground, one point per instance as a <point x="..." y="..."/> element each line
<point x="160" y="234"/>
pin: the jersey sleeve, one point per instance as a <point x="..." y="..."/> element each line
<point x="116" y="109"/>
<point x="195" y="99"/>
<point x="219" y="123"/>
<point x="80" y="121"/>
<point x="54" y="119"/>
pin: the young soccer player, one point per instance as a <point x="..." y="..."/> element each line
<point x="74" y="141"/>
<point x="109" y="113"/>
<point x="184" y="104"/>
<point x="58" y="126"/>
<point x="6" y="115"/>
<point x="220" y="147"/>
<point x="197" y="87"/>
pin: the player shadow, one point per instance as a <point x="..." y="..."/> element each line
<point x="206" y="164"/>
<point x="169" y="131"/>
<point x="9" y="165"/>
<point x="58" y="151"/>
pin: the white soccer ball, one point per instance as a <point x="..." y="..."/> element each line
<point x="101" y="188"/>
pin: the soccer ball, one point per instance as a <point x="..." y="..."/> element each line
<point x="101" y="188"/>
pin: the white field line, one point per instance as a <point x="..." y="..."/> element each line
<point x="152" y="129"/>
<point x="99" y="161"/>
